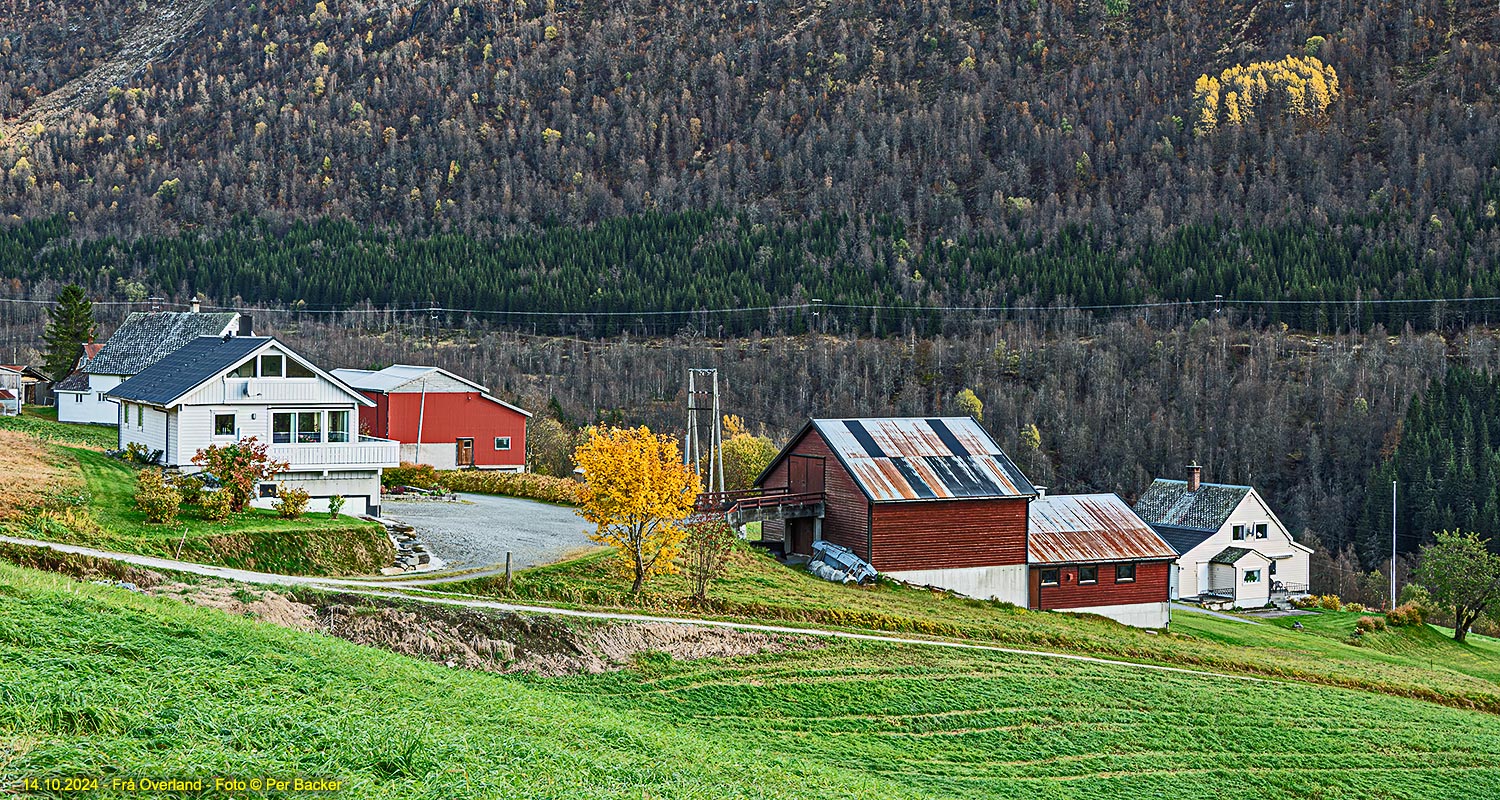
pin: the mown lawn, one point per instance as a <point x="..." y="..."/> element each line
<point x="99" y="681"/>
<point x="758" y="588"/>
<point x="256" y="539"/>
<point x="43" y="424"/>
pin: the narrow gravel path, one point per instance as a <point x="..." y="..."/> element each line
<point x="384" y="589"/>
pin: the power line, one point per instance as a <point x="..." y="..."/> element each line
<point x="806" y="306"/>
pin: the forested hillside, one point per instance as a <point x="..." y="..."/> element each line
<point x="935" y="152"/>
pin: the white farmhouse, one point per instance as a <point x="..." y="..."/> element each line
<point x="1232" y="550"/>
<point x="222" y="389"/>
<point x="140" y="341"/>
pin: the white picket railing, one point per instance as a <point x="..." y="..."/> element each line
<point x="367" y="452"/>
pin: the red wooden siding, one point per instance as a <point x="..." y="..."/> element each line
<point x="846" y="511"/>
<point x="448" y="417"/>
<point x="1151" y="586"/>
<point x="949" y="534"/>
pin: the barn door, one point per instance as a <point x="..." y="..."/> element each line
<point x="804" y="474"/>
<point x="465" y="455"/>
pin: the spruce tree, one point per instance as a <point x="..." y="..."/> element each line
<point x="70" y="324"/>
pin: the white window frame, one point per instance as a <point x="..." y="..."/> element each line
<point x="322" y="429"/>
<point x="1249" y="572"/>
<point x="499" y="439"/>
<point x="1237" y="533"/>
<point x="214" y="424"/>
<point x="1262" y="530"/>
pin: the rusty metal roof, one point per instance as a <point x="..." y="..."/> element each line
<point x="923" y="458"/>
<point x="1080" y="528"/>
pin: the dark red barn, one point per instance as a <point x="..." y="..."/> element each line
<point x="440" y="418"/>
<point x="1090" y="553"/>
<point x="930" y="501"/>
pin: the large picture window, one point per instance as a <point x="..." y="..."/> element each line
<point x="245" y="370"/>
<point x="338" y="426"/>
<point x="281" y="428"/>
<point x="309" y="427"/>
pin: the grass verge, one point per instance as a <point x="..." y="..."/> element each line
<point x="1405" y="662"/>
<point x="100" y="681"/>
<point x="46" y="428"/>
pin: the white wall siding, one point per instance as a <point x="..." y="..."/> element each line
<point x="88" y="408"/>
<point x="151" y="433"/>
<point x="1278" y="541"/>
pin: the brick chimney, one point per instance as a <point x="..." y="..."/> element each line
<point x="1195" y="476"/>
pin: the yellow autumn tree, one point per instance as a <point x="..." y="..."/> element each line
<point x="746" y="455"/>
<point x="1299" y="86"/>
<point x="637" y="492"/>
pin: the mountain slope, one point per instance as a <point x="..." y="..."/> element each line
<point x="1010" y="116"/>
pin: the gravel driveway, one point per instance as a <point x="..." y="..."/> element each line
<point x="479" y="529"/>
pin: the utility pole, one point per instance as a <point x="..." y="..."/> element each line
<point x="1393" y="544"/>
<point x="705" y="438"/>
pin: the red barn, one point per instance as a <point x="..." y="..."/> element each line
<point x="440" y="418"/>
<point x="927" y="501"/>
<point x="1090" y="553"/>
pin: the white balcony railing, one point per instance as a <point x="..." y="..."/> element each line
<point x="366" y="453"/>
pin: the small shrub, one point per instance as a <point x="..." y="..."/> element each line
<point x="1406" y="615"/>
<point x="422" y="476"/>
<point x="291" y="502"/>
<point x="1355" y="608"/>
<point x="335" y="505"/>
<point x="159" y="500"/>
<point x="1330" y="602"/>
<point x="216" y="505"/>
<point x="1369" y="624"/>
<point x="1417" y="596"/>
<point x="191" y="488"/>
<point x="140" y="454"/>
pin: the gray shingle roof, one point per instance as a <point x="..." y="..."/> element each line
<point x="1169" y="504"/>
<point x="186" y="367"/>
<point x="76" y="381"/>
<point x="143" y="339"/>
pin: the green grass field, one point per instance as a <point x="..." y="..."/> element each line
<point x="1413" y="662"/>
<point x="256" y="539"/>
<point x="99" y="681"/>
<point x="42" y="423"/>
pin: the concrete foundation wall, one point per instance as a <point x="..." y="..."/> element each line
<point x="1141" y="615"/>
<point x="1004" y="583"/>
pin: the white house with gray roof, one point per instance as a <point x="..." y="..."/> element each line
<point x="224" y="389"/>
<point x="1232" y="549"/>
<point x="140" y="341"/>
